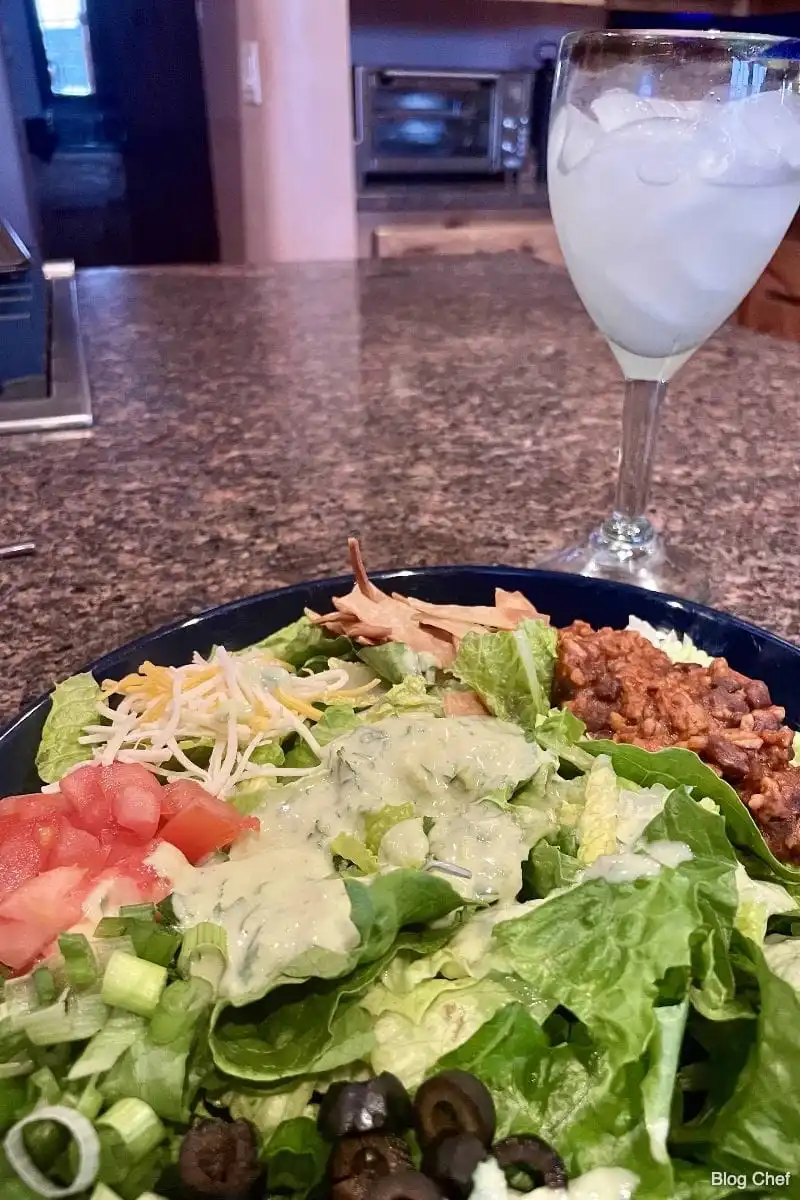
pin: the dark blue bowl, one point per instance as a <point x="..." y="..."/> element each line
<point x="751" y="650"/>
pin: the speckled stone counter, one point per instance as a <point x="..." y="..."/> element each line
<point x="445" y="410"/>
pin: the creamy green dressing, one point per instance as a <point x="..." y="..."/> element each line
<point x="644" y="864"/>
<point x="275" y="907"/>
<point x="445" y="767"/>
<point x="279" y="897"/>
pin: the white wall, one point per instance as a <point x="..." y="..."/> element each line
<point x="20" y="62"/>
<point x="468" y="34"/>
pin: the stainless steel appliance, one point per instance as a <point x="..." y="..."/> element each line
<point x="43" y="380"/>
<point x="441" y="122"/>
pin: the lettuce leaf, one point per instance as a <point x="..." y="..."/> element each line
<point x="296" y="1158"/>
<point x="73" y="707"/>
<point x="337" y="719"/>
<point x="549" y="869"/>
<point x="301" y="641"/>
<point x="759" y="1126"/>
<point x="597" y="824"/>
<point x="782" y="955"/>
<point x="411" y="695"/>
<point x="395" y="661"/>
<point x="758" y="901"/>
<point x="318" y="1026"/>
<point x="511" y="672"/>
<point x="677" y="766"/>
<point x="413" y="1030"/>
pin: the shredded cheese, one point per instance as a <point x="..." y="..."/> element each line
<point x="220" y="709"/>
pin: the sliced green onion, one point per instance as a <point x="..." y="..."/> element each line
<point x="76" y="1020"/>
<point x="138" y="912"/>
<point x="14" y="1050"/>
<point x="16" y="1069"/>
<point x="152" y="942"/>
<point x="119" y="1033"/>
<point x="103" y="1192"/>
<point x="20" y="997"/>
<point x="45" y="985"/>
<point x="166" y="910"/>
<point x="14" y="1099"/>
<point x="137" y="1126"/>
<point x="81" y="965"/>
<point x="86" y="1141"/>
<point x="133" y="984"/>
<point x="179" y="1010"/>
<point x="106" y="948"/>
<point x="90" y="1102"/>
<point x="204" y="953"/>
<point x="46" y="1085"/>
<point x="110" y="927"/>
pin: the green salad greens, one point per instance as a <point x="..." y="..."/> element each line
<point x="598" y="932"/>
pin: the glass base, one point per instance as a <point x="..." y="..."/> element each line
<point x="641" y="557"/>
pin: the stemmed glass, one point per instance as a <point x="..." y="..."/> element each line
<point x="674" y="172"/>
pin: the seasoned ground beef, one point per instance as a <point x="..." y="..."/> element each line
<point x="624" y="688"/>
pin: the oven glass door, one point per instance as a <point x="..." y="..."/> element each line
<point x="431" y="119"/>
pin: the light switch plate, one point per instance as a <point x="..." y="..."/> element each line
<point x="251" y="73"/>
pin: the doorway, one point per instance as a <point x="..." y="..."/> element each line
<point x="119" y="148"/>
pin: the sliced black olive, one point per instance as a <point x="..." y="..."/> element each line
<point x="452" y="1162"/>
<point x="380" y="1105"/>
<point x="530" y="1155"/>
<point x="218" y="1160"/>
<point x="370" y="1154"/>
<point x="406" y="1185"/>
<point x="453" y="1102"/>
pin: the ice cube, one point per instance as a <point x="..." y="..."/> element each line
<point x="573" y="138"/>
<point x="773" y="120"/>
<point x="616" y="108"/>
<point x="758" y="141"/>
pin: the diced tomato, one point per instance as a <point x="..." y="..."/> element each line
<point x="204" y="825"/>
<point x="49" y="899"/>
<point x="131" y="879"/>
<point x="21" y="854"/>
<point x="37" y="911"/>
<point x="118" y="844"/>
<point x="179" y="794"/>
<point x="76" y="848"/>
<point x="41" y="806"/>
<point x="135" y="796"/>
<point x="20" y="944"/>
<point x="91" y="807"/>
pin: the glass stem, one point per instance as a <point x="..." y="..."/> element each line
<point x="640" y="418"/>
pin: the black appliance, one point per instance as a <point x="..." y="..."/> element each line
<point x="543" y="79"/>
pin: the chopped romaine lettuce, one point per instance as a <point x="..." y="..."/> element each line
<point x="395" y="661"/>
<point x="73" y="707"/>
<point x="677" y="766"/>
<point x="377" y="824"/>
<point x="512" y="672"/>
<point x="409" y="696"/>
<point x="597" y="824"/>
<point x="301" y="641"/>
<point x="680" y="648"/>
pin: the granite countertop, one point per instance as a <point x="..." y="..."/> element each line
<point x="445" y="410"/>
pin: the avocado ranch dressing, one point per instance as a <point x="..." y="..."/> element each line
<point x="279" y="896"/>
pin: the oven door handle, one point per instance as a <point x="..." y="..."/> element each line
<point x="358" y="104"/>
<point x="396" y="73"/>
